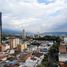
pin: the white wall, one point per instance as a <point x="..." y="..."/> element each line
<point x="65" y="40"/>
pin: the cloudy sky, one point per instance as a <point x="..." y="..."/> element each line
<point x="34" y="15"/>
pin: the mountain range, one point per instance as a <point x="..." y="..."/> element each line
<point x="15" y="32"/>
<point x="7" y="31"/>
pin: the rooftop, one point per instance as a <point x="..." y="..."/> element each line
<point x="37" y="54"/>
<point x="63" y="57"/>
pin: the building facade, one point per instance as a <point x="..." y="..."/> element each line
<point x="23" y="34"/>
<point x="63" y="54"/>
<point x="13" y="42"/>
<point x="22" y="47"/>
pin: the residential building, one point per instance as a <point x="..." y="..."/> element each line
<point x="63" y="55"/>
<point x="24" y="56"/>
<point x="65" y="40"/>
<point x="2" y="48"/>
<point x="32" y="48"/>
<point x="3" y="56"/>
<point x="34" y="60"/>
<point x="13" y="42"/>
<point x="23" y="35"/>
<point x="22" y="47"/>
<point x="6" y="47"/>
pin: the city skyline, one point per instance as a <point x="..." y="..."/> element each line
<point x="34" y="15"/>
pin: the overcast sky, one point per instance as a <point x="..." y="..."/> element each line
<point x="34" y="15"/>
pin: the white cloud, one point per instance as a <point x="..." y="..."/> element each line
<point x="32" y="15"/>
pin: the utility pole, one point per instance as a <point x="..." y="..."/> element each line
<point x="0" y="28"/>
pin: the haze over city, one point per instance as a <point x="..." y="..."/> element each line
<point x="34" y="15"/>
<point x="33" y="33"/>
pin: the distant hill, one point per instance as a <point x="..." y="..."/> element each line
<point x="7" y="31"/>
<point x="54" y="33"/>
<point x="15" y="32"/>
